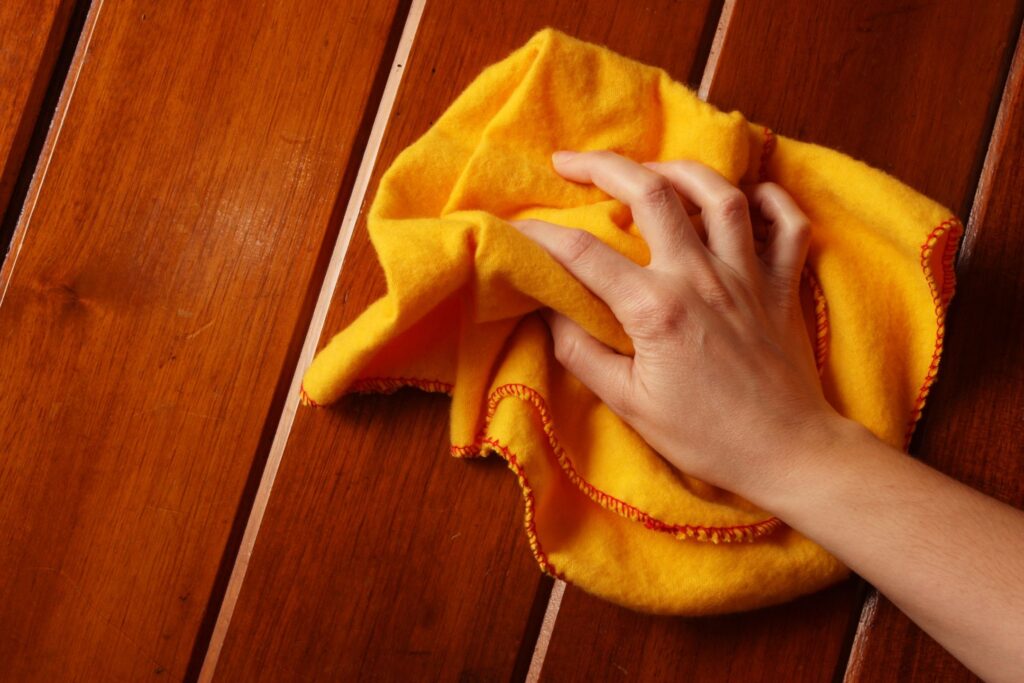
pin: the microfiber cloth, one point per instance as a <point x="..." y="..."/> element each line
<point x="604" y="511"/>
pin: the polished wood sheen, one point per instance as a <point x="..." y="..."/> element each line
<point x="380" y="556"/>
<point x="158" y="289"/>
<point x="175" y="253"/>
<point x="882" y="83"/>
<point x="31" y="35"/>
<point x="972" y="429"/>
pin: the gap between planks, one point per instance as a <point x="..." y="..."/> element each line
<point x="996" y="144"/>
<point x="313" y="334"/>
<point x="78" y="63"/>
<point x="982" y="198"/>
<point x="547" y="628"/>
<point x="315" y="330"/>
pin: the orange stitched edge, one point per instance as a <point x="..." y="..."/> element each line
<point x="305" y="399"/>
<point x="820" y="304"/>
<point x="821" y="328"/>
<point x="530" y="506"/>
<point x="941" y="298"/>
<point x="742" y="532"/>
<point x="388" y="385"/>
<point x="713" y="534"/>
<point x="766" y="153"/>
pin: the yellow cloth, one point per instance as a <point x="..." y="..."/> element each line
<point x="603" y="510"/>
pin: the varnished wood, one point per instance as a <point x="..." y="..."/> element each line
<point x="972" y="429"/>
<point x="166" y="268"/>
<point x="381" y="557"/>
<point x="31" y="35"/>
<point x="157" y="293"/>
<point x="886" y="84"/>
<point x="883" y="81"/>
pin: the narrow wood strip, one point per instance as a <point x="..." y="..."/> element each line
<point x="46" y="155"/>
<point x="711" y="67"/>
<point x="711" y="61"/>
<point x="410" y="565"/>
<point x="540" y="650"/>
<point x="31" y="35"/>
<point x="313" y="335"/>
<point x="972" y="429"/>
<point x="154" y="310"/>
<point x="888" y="87"/>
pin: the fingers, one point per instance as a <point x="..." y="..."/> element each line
<point x="657" y="210"/>
<point x="601" y="369"/>
<point x="789" y="230"/>
<point x="601" y="269"/>
<point x="724" y="208"/>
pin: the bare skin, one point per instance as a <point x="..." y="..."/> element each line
<point x="723" y="384"/>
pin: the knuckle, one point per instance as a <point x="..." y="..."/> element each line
<point x="800" y="230"/>
<point x="732" y="206"/>
<point x="577" y="244"/>
<point x="657" y="312"/>
<point x="655" y="190"/>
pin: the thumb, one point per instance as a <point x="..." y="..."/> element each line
<point x="599" y="367"/>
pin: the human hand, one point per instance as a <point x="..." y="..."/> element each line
<point x="723" y="381"/>
<point x="723" y="384"/>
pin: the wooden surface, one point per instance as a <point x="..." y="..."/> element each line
<point x="414" y="560"/>
<point x="856" y="95"/>
<point x="973" y="428"/>
<point x="158" y="277"/>
<point x="31" y="35"/>
<point x="164" y="277"/>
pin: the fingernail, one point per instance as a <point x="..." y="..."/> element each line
<point x="562" y="155"/>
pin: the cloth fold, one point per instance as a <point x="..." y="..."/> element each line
<point x="604" y="511"/>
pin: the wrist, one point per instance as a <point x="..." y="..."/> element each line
<point x="798" y="473"/>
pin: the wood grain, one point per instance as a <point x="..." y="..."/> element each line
<point x="161" y="271"/>
<point x="31" y="35"/>
<point x="381" y="557"/>
<point x="972" y="429"/>
<point x="884" y="83"/>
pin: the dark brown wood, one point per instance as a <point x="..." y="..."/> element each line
<point x="911" y="88"/>
<point x="31" y="35"/>
<point x="380" y="556"/>
<point x="795" y="642"/>
<point x="892" y="86"/>
<point x="159" y="289"/>
<point x="972" y="429"/>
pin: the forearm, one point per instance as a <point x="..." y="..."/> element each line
<point x="723" y="366"/>
<point x="950" y="557"/>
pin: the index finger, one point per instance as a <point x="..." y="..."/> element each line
<point x="657" y="209"/>
<point x="608" y="274"/>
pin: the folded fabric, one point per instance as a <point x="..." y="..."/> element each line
<point x="604" y="511"/>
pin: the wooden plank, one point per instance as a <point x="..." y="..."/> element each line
<point x="380" y="556"/>
<point x="886" y="85"/>
<point x="158" y="288"/>
<point x="31" y="35"/>
<point x="972" y="429"/>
